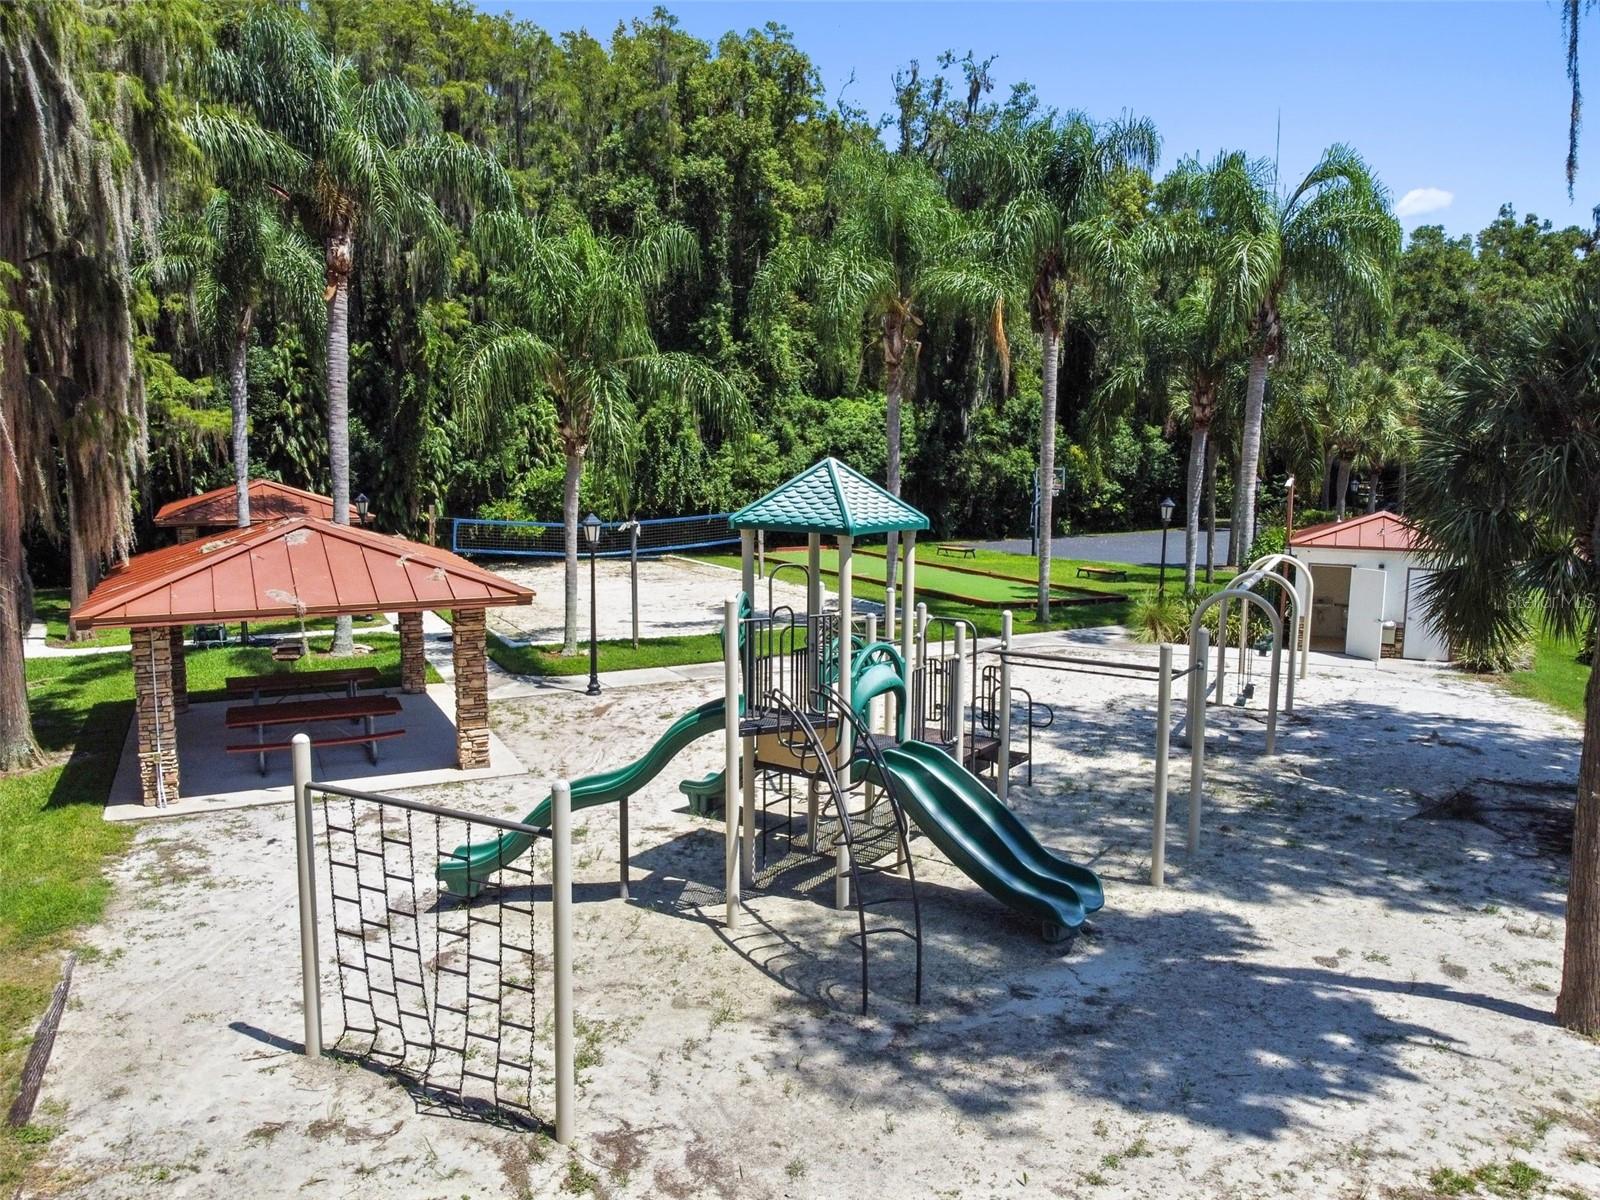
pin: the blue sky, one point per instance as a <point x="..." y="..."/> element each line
<point x="1462" y="104"/>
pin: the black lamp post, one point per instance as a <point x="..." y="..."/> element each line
<point x="1166" y="519"/>
<point x="362" y="504"/>
<point x="591" y="534"/>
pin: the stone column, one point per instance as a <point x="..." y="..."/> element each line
<point x="180" y="671"/>
<point x="155" y="714"/>
<point x="472" y="690"/>
<point x="413" y="665"/>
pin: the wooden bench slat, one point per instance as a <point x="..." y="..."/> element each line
<point x="353" y="739"/>
<point x="251" y="715"/>
<point x="296" y="680"/>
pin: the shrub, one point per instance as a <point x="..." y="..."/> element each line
<point x="1157" y="619"/>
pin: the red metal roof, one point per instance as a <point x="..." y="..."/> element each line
<point x="1373" y="531"/>
<point x="303" y="566"/>
<point x="269" y="501"/>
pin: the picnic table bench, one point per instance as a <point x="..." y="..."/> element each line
<point x="1102" y="573"/>
<point x="289" y="683"/>
<point x="955" y="550"/>
<point x="310" y="712"/>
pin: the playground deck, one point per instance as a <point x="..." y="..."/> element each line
<point x="1318" y="1005"/>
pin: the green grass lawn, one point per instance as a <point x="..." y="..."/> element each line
<point x="1018" y="568"/>
<point x="51" y="606"/>
<point x="612" y="656"/>
<point x="54" y="841"/>
<point x="963" y="585"/>
<point x="1556" y="677"/>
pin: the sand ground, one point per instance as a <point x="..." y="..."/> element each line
<point x="1345" y="991"/>
<point x="677" y="597"/>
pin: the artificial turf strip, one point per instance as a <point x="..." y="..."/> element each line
<point x="991" y="591"/>
<point x="960" y="568"/>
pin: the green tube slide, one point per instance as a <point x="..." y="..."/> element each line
<point x="984" y="838"/>
<point x="464" y="872"/>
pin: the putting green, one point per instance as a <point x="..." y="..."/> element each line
<point x="966" y="587"/>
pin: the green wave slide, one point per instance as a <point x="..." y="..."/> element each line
<point x="989" y="844"/>
<point x="463" y="874"/>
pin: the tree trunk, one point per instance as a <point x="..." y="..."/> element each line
<point x="1050" y="344"/>
<point x="81" y="564"/>
<point x="1372" y="492"/>
<point x="1242" y="528"/>
<point x="569" y="534"/>
<point x="1327" y="479"/>
<point x="340" y="252"/>
<point x="239" y="397"/>
<point x="1211" y="509"/>
<point x="1341" y="488"/>
<point x="1578" y="1003"/>
<point x="1400" y="491"/>
<point x="18" y="750"/>
<point x="1196" y="485"/>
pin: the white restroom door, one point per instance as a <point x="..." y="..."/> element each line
<point x="1363" y="637"/>
<point x="1422" y="640"/>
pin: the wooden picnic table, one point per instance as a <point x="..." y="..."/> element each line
<point x="311" y="712"/>
<point x="1102" y="573"/>
<point x="290" y="683"/>
<point x="955" y="549"/>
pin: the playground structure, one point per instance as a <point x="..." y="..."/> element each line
<point x="877" y="741"/>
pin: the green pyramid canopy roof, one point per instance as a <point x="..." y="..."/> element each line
<point x="830" y="498"/>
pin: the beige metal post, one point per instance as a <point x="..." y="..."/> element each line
<point x="730" y="758"/>
<point x="561" y="923"/>
<point x="957" y="697"/>
<point x="908" y="624"/>
<point x="1197" y="733"/>
<point x="305" y="862"/>
<point x="1158" y="833"/>
<point x="814" y="573"/>
<point x="1002" y="716"/>
<point x="846" y="608"/>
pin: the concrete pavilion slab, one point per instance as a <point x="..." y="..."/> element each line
<point x="214" y="780"/>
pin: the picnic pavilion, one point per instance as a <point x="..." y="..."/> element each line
<point x="299" y="567"/>
<point x="217" y="510"/>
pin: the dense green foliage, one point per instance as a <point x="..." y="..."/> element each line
<point x="737" y="144"/>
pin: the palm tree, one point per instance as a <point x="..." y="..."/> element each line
<point x="568" y="336"/>
<point x="1197" y="330"/>
<point x="1508" y="495"/>
<point x="1192" y="348"/>
<point x="1334" y="236"/>
<point x="1049" y="182"/>
<point x="896" y="250"/>
<point x="357" y="158"/>
<point x="228" y="258"/>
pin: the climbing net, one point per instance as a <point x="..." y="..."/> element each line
<point x="435" y="990"/>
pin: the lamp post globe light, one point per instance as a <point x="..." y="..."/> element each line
<point x="362" y="505"/>
<point x="1167" y="507"/>
<point x="591" y="535"/>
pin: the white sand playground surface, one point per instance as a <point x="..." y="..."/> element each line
<point x="1336" y="998"/>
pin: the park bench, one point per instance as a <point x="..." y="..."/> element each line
<point x="1111" y="573"/>
<point x="291" y="683"/>
<point x="955" y="550"/>
<point x="311" y="712"/>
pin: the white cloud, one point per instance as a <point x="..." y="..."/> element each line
<point x="1423" y="200"/>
